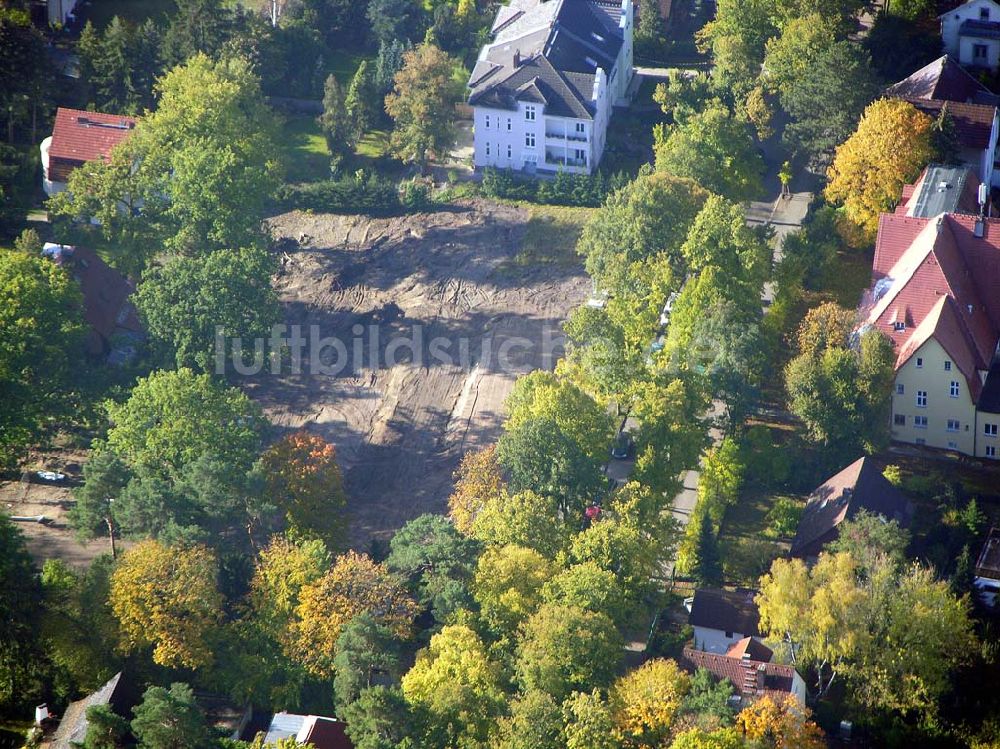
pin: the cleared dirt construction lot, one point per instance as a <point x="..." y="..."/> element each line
<point x="421" y="323"/>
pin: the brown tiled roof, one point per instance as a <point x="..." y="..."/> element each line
<point x="751" y="679"/>
<point x="326" y="733"/>
<point x="860" y="486"/>
<point x="750" y="648"/>
<point x="728" y="611"/>
<point x="945" y="80"/>
<point x="973" y="122"/>
<point x="106" y="305"/>
<point x="85" y="136"/>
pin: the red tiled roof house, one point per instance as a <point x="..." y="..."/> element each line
<point x="936" y="295"/>
<point x="78" y="137"/>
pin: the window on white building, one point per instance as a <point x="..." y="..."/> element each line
<point x="947" y="365"/>
<point x="984" y="14"/>
<point x="953" y="389"/>
<point x="979" y="51"/>
<point x="953" y="425"/>
<point x="921" y="399"/>
<point x="508" y="150"/>
<point x="991" y="451"/>
<point x="920" y="362"/>
<point x="900" y="389"/>
<point x="952" y="445"/>
<point x="529" y="112"/>
<point x="487" y="122"/>
<point x="899" y="420"/>
<point x="920" y="422"/>
<point x="920" y="441"/>
<point x="508" y="124"/>
<point x="529" y="140"/>
<point x="990" y="430"/>
<point x="580" y="127"/>
<point x="899" y="327"/>
<point x="581" y="155"/>
<point x="487" y="148"/>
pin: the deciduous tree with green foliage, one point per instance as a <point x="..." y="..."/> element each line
<point x="457" y="686"/>
<point x="525" y="519"/>
<point x="508" y="587"/>
<point x="42" y="324"/>
<point x="422" y="103"/>
<point x="20" y="615"/>
<point x="841" y="392"/>
<point x="191" y="305"/>
<point x="715" y="150"/>
<point x="195" y="173"/>
<point x="565" y="649"/>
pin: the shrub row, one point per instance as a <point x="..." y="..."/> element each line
<point x="357" y="193"/>
<point x="563" y="189"/>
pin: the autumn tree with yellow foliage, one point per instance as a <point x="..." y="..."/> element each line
<point x="166" y="596"/>
<point x="771" y="724"/>
<point x="645" y="701"/>
<point x="354" y="585"/>
<point x="892" y="143"/>
<point x="477" y="481"/>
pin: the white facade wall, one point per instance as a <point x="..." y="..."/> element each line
<point x="715" y="640"/>
<point x="963" y="49"/>
<point x="503" y="138"/>
<point x="623" y="67"/>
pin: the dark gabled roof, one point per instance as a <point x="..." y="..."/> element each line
<point x="573" y="37"/>
<point x="979" y="29"/>
<point x="537" y="81"/>
<point x="860" y="486"/>
<point x="327" y="733"/>
<point x="942" y="80"/>
<point x="724" y="610"/>
<point x="73" y="726"/>
<point x="750" y="678"/>
<point x="989" y="398"/>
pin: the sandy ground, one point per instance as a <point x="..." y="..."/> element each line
<point x="444" y="283"/>
<point x="31" y="497"/>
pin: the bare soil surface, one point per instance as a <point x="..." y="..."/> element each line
<point x="31" y="497"/>
<point x="438" y="314"/>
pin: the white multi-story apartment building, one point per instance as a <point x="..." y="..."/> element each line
<point x="543" y="90"/>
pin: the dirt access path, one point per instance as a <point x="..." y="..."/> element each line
<point x="453" y="287"/>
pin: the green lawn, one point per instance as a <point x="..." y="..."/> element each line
<point x="373" y="145"/>
<point x="552" y="234"/>
<point x="306" y="157"/>
<point x="100" y="12"/>
<point x="343" y="63"/>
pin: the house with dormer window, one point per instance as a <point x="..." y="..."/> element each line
<point x="543" y="90"/>
<point x="971" y="33"/>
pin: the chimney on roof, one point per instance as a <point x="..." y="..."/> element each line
<point x="749" y="678"/>
<point x="517" y="58"/>
<point x="980" y="228"/>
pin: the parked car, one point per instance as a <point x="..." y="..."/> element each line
<point x="622" y="447"/>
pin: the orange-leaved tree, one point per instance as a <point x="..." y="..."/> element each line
<point x="303" y="479"/>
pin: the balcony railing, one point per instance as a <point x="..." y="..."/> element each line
<point x="578" y="137"/>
